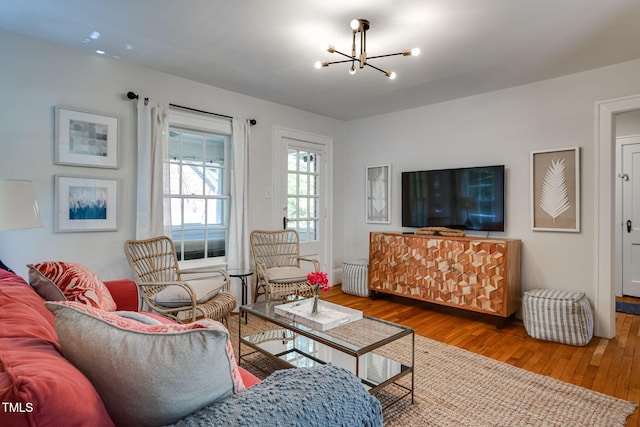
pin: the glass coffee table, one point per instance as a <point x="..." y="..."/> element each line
<point x="380" y="353"/>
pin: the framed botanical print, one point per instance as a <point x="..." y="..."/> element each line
<point x="555" y="190"/>
<point x="378" y="191"/>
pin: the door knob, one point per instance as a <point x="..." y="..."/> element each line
<point x="629" y="226"/>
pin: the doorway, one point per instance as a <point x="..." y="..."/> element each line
<point x="606" y="229"/>
<point x="628" y="204"/>
<point x="302" y="191"/>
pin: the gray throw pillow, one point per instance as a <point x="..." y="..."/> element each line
<point x="147" y="375"/>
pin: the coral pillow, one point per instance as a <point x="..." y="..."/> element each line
<point x="57" y="281"/>
<point x="125" y="293"/>
<point x="33" y="373"/>
<point x="50" y="390"/>
<point x="147" y="374"/>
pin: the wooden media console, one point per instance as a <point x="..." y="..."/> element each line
<point x="469" y="273"/>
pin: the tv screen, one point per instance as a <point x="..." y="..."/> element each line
<point x="465" y="198"/>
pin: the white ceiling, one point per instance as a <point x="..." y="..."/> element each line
<point x="267" y="49"/>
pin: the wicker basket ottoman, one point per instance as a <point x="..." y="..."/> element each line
<point x="355" y="277"/>
<point x="560" y="316"/>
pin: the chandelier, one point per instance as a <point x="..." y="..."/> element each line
<point x="360" y="26"/>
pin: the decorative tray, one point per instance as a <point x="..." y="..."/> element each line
<point x="329" y="315"/>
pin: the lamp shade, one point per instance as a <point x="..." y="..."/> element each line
<point x="18" y="207"/>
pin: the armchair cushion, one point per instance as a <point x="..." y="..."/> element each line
<point x="147" y="374"/>
<point x="177" y="296"/>
<point x="59" y="281"/>
<point x="287" y="274"/>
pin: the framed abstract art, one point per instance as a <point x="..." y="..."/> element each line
<point x="85" y="204"/>
<point x="86" y="139"/>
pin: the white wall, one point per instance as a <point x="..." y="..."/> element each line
<point x="628" y="123"/>
<point x="500" y="127"/>
<point x="36" y="76"/>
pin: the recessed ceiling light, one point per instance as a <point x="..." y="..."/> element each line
<point x="95" y="35"/>
<point x="100" y="52"/>
<point x="128" y="46"/>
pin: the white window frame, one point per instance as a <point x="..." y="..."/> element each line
<point x="186" y="121"/>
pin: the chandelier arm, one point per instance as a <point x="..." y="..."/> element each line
<point x="376" y="68"/>
<point x="340" y="62"/>
<point x="384" y="56"/>
<point x="344" y="54"/>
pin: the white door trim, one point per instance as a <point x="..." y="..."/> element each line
<point x="278" y="134"/>
<point x="605" y="321"/>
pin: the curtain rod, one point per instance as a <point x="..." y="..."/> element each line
<point x="132" y="95"/>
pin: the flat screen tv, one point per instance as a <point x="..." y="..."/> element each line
<point x="464" y="198"/>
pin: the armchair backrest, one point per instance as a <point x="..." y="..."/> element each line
<point x="153" y="260"/>
<point x="279" y="248"/>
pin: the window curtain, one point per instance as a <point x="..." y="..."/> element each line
<point x="153" y="212"/>
<point x="238" y="251"/>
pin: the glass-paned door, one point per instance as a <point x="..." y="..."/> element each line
<point x="301" y="191"/>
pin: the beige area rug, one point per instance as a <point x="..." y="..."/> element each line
<point x="454" y="387"/>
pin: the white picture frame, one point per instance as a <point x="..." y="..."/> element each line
<point x="85" y="139"/>
<point x="85" y="204"/>
<point x="378" y="194"/>
<point x="555" y="190"/>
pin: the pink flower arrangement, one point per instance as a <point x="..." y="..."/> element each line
<point x="318" y="280"/>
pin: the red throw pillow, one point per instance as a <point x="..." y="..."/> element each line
<point x="75" y="281"/>
<point x="124" y="293"/>
<point x="44" y="388"/>
<point x="38" y="387"/>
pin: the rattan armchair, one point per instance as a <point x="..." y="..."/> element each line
<point x="276" y="255"/>
<point x="168" y="290"/>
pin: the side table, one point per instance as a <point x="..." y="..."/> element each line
<point x="242" y="274"/>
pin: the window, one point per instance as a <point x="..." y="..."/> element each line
<point x="198" y="190"/>
<point x="302" y="193"/>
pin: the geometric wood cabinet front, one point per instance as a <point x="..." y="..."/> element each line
<point x="469" y="273"/>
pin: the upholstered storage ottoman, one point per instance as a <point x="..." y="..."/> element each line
<point x="559" y="316"/>
<point x="355" y="280"/>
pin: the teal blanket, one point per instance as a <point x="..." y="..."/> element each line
<point x="320" y="396"/>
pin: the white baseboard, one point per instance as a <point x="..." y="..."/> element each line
<point x="337" y="276"/>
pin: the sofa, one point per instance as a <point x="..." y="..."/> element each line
<point x="44" y="380"/>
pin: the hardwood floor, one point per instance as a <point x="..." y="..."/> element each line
<point x="608" y="366"/>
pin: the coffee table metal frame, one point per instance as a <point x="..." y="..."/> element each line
<point x="265" y="311"/>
